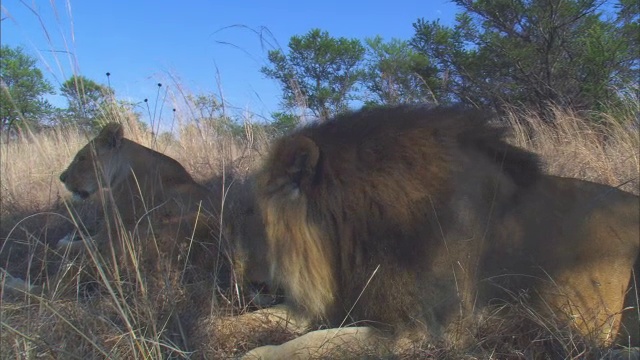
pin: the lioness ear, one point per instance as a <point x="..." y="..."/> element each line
<point x="301" y="159"/>
<point x="111" y="135"/>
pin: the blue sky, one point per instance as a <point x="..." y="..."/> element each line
<point x="192" y="43"/>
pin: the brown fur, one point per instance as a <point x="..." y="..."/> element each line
<point x="413" y="218"/>
<point x="151" y="197"/>
<point x="244" y="228"/>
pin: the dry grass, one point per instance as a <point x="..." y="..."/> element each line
<point x="572" y="146"/>
<point x="96" y="312"/>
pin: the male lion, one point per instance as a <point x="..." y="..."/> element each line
<point x="407" y="218"/>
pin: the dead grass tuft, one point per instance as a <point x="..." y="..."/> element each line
<point x="570" y="145"/>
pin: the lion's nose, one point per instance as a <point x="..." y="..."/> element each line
<point x="63" y="176"/>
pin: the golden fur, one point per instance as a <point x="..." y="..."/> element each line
<point x="151" y="197"/>
<point x="244" y="228"/>
<point x="406" y="218"/>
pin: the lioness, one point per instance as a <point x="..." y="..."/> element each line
<point x="408" y="218"/>
<point x="150" y="196"/>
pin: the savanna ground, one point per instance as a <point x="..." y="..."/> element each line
<point x="119" y="314"/>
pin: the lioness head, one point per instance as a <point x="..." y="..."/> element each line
<point x="95" y="164"/>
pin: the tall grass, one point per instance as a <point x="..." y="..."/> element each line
<point x="122" y="319"/>
<point x="571" y="145"/>
<point x="125" y="320"/>
<point x="96" y="311"/>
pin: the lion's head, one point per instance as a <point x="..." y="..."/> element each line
<point x="244" y="227"/>
<point x="96" y="164"/>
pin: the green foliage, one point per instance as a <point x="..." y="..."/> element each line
<point x="209" y="112"/>
<point x="282" y="123"/>
<point x="22" y="90"/>
<point x="532" y="52"/>
<point x="205" y="106"/>
<point x="319" y="72"/>
<point x="90" y="103"/>
<point x="397" y="74"/>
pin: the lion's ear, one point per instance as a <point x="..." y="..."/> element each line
<point x="111" y="135"/>
<point x="301" y="160"/>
